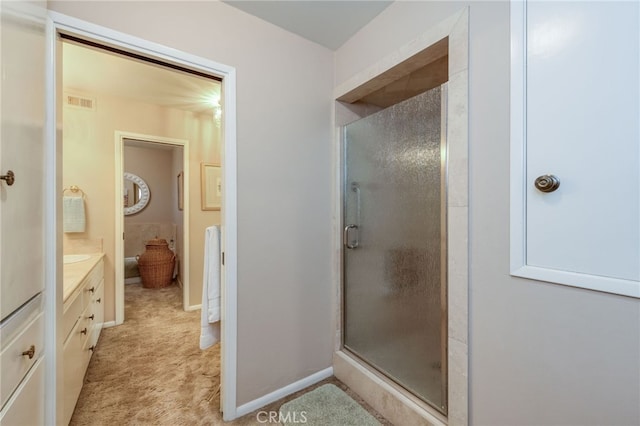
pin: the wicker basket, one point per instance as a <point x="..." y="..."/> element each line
<point x="156" y="264"/>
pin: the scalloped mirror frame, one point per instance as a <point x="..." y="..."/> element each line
<point x="145" y="194"/>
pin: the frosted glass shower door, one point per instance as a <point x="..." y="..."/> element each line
<point x="394" y="244"/>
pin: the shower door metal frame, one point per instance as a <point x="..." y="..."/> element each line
<point x="444" y="167"/>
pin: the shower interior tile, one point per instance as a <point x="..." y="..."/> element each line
<point x="458" y="45"/>
<point x="387" y="401"/>
<point x="458" y="306"/>
<point x="457" y="141"/>
<point x="458" y="378"/>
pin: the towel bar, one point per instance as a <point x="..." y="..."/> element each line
<point x="74" y="189"/>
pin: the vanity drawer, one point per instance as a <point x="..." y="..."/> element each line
<point x="97" y="309"/>
<point x="91" y="283"/>
<point x="26" y="406"/>
<point x="88" y="290"/>
<point x="13" y="364"/>
<point x="15" y="323"/>
<point x="75" y="361"/>
<point x="85" y="328"/>
<point x="95" y="276"/>
<point x="70" y="316"/>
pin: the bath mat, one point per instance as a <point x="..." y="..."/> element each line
<point x="326" y="405"/>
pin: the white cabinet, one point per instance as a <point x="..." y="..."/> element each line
<point x="83" y="317"/>
<point x="97" y="309"/>
<point x="22" y="107"/>
<point x="22" y="59"/>
<point x="75" y="361"/>
<point x="26" y="406"/>
<point x="575" y="108"/>
<point x="22" y="333"/>
<point x="22" y="337"/>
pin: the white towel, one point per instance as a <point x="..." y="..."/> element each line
<point x="73" y="214"/>
<point x="210" y="311"/>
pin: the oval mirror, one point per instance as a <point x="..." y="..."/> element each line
<point x="136" y="194"/>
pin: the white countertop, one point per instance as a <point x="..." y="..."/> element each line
<point x="74" y="273"/>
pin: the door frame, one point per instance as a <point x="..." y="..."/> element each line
<point x="60" y="23"/>
<point x="120" y="136"/>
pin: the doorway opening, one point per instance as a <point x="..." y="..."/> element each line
<point x="107" y="92"/>
<point x="67" y="30"/>
<point x="161" y="165"/>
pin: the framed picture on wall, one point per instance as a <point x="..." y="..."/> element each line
<point x="181" y="191"/>
<point x="211" y="186"/>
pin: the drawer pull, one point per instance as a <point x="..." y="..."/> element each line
<point x="99" y="300"/>
<point x="92" y="289"/>
<point x="92" y="348"/>
<point x="31" y="352"/>
<point x="10" y="177"/>
<point x="83" y="331"/>
<point x="91" y="317"/>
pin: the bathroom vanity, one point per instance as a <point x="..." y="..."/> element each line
<point x="83" y="316"/>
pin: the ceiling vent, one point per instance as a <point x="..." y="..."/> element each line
<point x="80" y="102"/>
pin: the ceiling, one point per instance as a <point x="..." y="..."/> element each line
<point x="91" y="71"/>
<point x="329" y="23"/>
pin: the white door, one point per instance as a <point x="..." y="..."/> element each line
<point x="582" y="125"/>
<point x="22" y="110"/>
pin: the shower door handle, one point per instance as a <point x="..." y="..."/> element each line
<point x="356" y="188"/>
<point x="350" y="244"/>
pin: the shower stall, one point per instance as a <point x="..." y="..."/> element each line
<point x="394" y="291"/>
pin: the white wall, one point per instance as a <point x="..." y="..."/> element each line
<point x="540" y="354"/>
<point x="284" y="86"/>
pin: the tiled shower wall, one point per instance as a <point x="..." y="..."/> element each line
<point x="136" y="236"/>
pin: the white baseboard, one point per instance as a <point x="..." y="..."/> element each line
<point x="193" y="308"/>
<point x="282" y="392"/>
<point x="109" y="324"/>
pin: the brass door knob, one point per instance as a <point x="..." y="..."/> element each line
<point x="547" y="183"/>
<point x="10" y="177"/>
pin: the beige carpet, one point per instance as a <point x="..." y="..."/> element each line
<point x="151" y="371"/>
